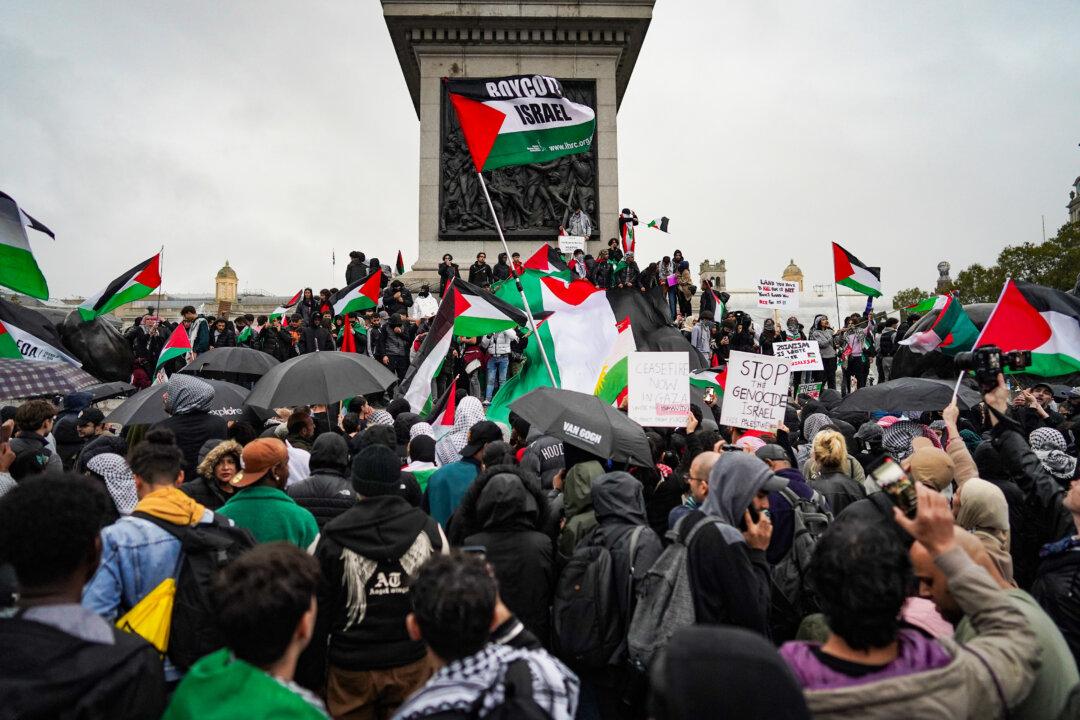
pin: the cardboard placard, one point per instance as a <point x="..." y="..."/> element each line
<point x="812" y="390"/>
<point x="658" y="394"/>
<point x="756" y="392"/>
<point x="569" y="243"/>
<point x="777" y="293"/>
<point x="801" y="354"/>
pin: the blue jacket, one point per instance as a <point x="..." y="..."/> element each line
<point x="781" y="514"/>
<point x="446" y="486"/>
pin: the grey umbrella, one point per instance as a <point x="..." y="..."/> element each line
<point x="106" y="390"/>
<point x="909" y="393"/>
<point x="586" y="422"/>
<point x="226" y="363"/>
<point x="148" y="406"/>
<point x="320" y="378"/>
<point x="40" y="378"/>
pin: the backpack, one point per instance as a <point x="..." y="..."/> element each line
<point x="518" y="703"/>
<point x="204" y="549"/>
<point x="664" y="599"/>
<point x="791" y="599"/>
<point x="585" y="613"/>
<point x="887" y="343"/>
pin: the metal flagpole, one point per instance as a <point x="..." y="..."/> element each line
<point x="517" y="281"/>
<point x="836" y="294"/>
<point x="161" y="264"/>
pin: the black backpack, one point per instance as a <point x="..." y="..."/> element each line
<point x="887" y="343"/>
<point x="791" y="599"/>
<point x="585" y="613"/>
<point x="204" y="549"/>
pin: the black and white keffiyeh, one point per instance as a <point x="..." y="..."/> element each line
<point x="479" y="680"/>
<point x="1049" y="445"/>
<point x="119" y="480"/>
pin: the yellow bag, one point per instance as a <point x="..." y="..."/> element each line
<point x="151" y="617"/>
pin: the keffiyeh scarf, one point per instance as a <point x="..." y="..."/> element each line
<point x="119" y="480"/>
<point x="468" y="412"/>
<point x="1049" y="445"/>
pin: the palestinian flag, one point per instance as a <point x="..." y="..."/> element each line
<point x="519" y="120"/>
<point x="346" y="340"/>
<point x="627" y="221"/>
<point x="851" y="273"/>
<point x="400" y="264"/>
<point x="35" y="348"/>
<point x="8" y="347"/>
<point x="661" y="224"/>
<point x="546" y="259"/>
<point x="361" y="295"/>
<point x="416" y="387"/>
<point x="714" y="379"/>
<point x="359" y="328"/>
<point x="245" y="335"/>
<point x="952" y="331"/>
<point x="478" y="313"/>
<point x="1039" y="319"/>
<point x="283" y="310"/>
<point x="18" y="268"/>
<point x="441" y="416"/>
<point x="611" y="386"/>
<point x="178" y="345"/>
<point x="135" y="284"/>
<point x="925" y="305"/>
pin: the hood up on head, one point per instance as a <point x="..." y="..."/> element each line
<point x="329" y="452"/>
<point x="506" y="504"/>
<point x="188" y="394"/>
<point x="733" y="482"/>
<point x="617" y="497"/>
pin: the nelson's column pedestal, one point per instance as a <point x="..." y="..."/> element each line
<point x="589" y="45"/>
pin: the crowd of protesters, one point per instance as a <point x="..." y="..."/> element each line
<point x="353" y="562"/>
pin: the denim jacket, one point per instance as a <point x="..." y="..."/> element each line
<point x="136" y="555"/>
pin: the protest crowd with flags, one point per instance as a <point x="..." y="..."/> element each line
<point x="544" y="489"/>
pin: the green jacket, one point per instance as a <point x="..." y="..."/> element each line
<point x="1056" y="679"/>
<point x="221" y="687"/>
<point x="271" y="515"/>
<point x="577" y="505"/>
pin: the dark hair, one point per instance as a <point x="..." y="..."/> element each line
<point x="356" y="404"/>
<point x="498" y="453"/>
<point x="48" y="527"/>
<point x="242" y="432"/>
<point x="296" y="317"/>
<point x="453" y="599"/>
<point x="32" y="414"/>
<point x="157" y="459"/>
<point x="384" y="435"/>
<point x="351" y="422"/>
<point x="705" y="315"/>
<point x="422" y="448"/>
<point x="861" y="575"/>
<point x="27" y="464"/>
<point x="298" y="420"/>
<point x="188" y="309"/>
<point x="260" y="597"/>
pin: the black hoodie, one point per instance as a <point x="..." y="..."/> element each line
<point x="367" y="555"/>
<point x="326" y="492"/>
<point x="508" y="508"/>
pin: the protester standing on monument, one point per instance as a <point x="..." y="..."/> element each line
<point x="448" y="270"/>
<point x="480" y="271"/>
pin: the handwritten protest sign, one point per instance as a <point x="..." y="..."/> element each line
<point x="800" y="354"/>
<point x="569" y="243"/>
<point x="657" y="392"/>
<point x="757" y="387"/>
<point x="777" y="293"/>
<point x="812" y="390"/>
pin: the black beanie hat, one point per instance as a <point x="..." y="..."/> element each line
<point x="377" y="471"/>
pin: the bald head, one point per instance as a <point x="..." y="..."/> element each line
<point x="700" y="467"/>
<point x="932" y="582"/>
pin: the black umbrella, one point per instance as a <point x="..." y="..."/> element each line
<point x="586" y="422"/>
<point x="320" y="378"/>
<point x="104" y="391"/>
<point x="909" y="393"/>
<point x="148" y="406"/>
<point x="227" y="363"/>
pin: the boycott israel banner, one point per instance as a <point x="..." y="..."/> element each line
<point x="757" y="388"/>
<point x="777" y="294"/>
<point x="800" y="354"/>
<point x="658" y="394"/>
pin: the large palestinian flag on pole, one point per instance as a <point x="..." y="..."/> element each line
<point x="478" y="313"/>
<point x="18" y="268"/>
<point x="952" y="330"/>
<point x="416" y="387"/>
<point x="359" y="296"/>
<point x="135" y="284"/>
<point x="178" y="345"/>
<point x="519" y="120"/>
<point x="1040" y="319"/>
<point x="852" y="273"/>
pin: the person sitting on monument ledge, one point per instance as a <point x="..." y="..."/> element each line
<point x="480" y="271"/>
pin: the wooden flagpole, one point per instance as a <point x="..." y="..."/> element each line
<point x="517" y="281"/>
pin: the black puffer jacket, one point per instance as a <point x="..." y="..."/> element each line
<point x="1057" y="588"/>
<point x="326" y="492"/>
<point x="509" y="508"/>
<point x="839" y="490"/>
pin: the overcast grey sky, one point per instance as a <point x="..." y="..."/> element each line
<point x="270" y="133"/>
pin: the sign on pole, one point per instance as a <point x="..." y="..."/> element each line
<point x="757" y="387"/>
<point x="569" y="243"/>
<point x="658" y="394"/>
<point x="801" y="354"/>
<point x="777" y="294"/>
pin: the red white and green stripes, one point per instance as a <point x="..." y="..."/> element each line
<point x="178" y="345"/>
<point x="612" y="384"/>
<point x="478" y="313"/>
<point x="952" y="331"/>
<point x="135" y="284"/>
<point x="852" y="273"/>
<point x="283" y="310"/>
<point x="8" y="347"/>
<point x="1039" y="319"/>
<point x="361" y="295"/>
<point x="706" y="379"/>
<point x="18" y="268"/>
<point x="519" y="120"/>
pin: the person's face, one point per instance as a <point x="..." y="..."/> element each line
<point x="447" y="259"/>
<point x="481" y="258"/>
<point x="296" y="324"/>
<point x="760" y="501"/>
<point x="276" y="323"/>
<point x="220" y="325"/>
<point x="1042" y="395"/>
<point x="307" y="294"/>
<point x="677" y="256"/>
<point x="699" y="485"/>
<point x="188" y="320"/>
<point x="225" y="470"/>
<point x="309" y="428"/>
<point x="424" y="290"/>
<point x="933" y="585"/>
<point x="516" y="257"/>
<point x="1072" y="498"/>
<point x="88" y="430"/>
